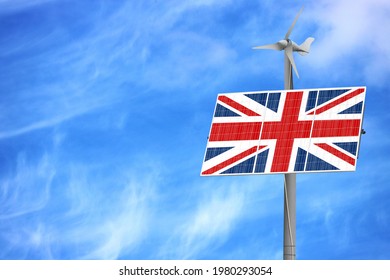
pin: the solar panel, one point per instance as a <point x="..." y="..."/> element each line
<point x="288" y="131"/>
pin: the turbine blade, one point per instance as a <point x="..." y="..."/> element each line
<point x="275" y="46"/>
<point x="304" y="48"/>
<point x="289" y="53"/>
<point x="293" y="24"/>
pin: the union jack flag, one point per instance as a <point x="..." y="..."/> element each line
<point x="289" y="131"/>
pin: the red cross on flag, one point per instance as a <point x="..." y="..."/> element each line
<point x="287" y="131"/>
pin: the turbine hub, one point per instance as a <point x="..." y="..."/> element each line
<point x="283" y="43"/>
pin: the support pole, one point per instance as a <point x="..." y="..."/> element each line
<point x="289" y="250"/>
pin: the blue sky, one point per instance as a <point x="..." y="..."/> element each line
<point x="105" y="108"/>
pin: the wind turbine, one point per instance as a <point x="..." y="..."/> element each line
<point x="289" y="47"/>
<point x="289" y="237"/>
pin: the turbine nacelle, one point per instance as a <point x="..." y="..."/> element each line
<point x="289" y="46"/>
<point x="302" y="49"/>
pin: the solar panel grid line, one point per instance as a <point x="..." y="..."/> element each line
<point x="235" y="159"/>
<point x="345" y="145"/>
<point x="246" y="155"/>
<point x="329" y="158"/>
<point x="253" y="105"/>
<point x="302" y="144"/>
<point x="276" y="116"/>
<point x="235" y="131"/>
<point x="235" y="150"/>
<point x="337" y="153"/>
<point x="204" y="165"/>
<point x="270" y="115"/>
<point x="271" y="143"/>
<point x="343" y="99"/>
<point x="339" y="107"/>
<point x="236" y="106"/>
<point x="261" y="132"/>
<point x="319" y="153"/>
<point x="311" y="130"/>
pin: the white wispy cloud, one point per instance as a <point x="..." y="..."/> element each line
<point x="107" y="218"/>
<point x="49" y="122"/>
<point x="8" y="6"/>
<point x="336" y="211"/>
<point x="28" y="190"/>
<point x="354" y="31"/>
<point x="25" y="193"/>
<point x="104" y="219"/>
<point x="147" y="51"/>
<point x="206" y="225"/>
<point x="126" y="223"/>
<point x="207" y="221"/>
<point x="56" y="82"/>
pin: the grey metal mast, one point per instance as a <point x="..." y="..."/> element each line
<point x="289" y="237"/>
<point x="289" y="234"/>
